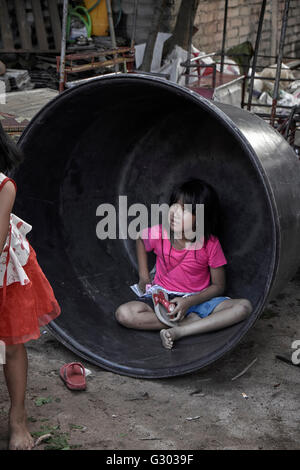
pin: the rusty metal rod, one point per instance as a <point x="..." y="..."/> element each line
<point x="63" y="48"/>
<point x="279" y="61"/>
<point x="191" y="25"/>
<point x="258" y="36"/>
<point x="224" y="36"/>
<point x="133" y="33"/>
<point x="112" y="29"/>
<point x="265" y="105"/>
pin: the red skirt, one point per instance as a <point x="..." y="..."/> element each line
<point x="28" y="307"/>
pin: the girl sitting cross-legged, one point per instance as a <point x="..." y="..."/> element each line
<point x="194" y="279"/>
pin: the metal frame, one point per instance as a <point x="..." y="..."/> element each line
<point x="276" y="120"/>
<point x="126" y="58"/>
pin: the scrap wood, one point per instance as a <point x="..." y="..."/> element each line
<point x="41" y="439"/>
<point x="143" y="396"/>
<point x="198" y="392"/>
<point x="150" y="439"/>
<point x="244" y="370"/>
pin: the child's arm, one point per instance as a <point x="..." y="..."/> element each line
<point x="7" y="199"/>
<point x="142" y="263"/>
<point x="216" y="288"/>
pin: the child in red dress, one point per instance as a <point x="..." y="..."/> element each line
<point x="27" y="300"/>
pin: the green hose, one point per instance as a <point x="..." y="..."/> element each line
<point x="84" y="18"/>
<point x="119" y="12"/>
<point x="119" y="15"/>
<point x="94" y="6"/>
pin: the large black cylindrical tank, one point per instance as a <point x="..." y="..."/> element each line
<point x="137" y="135"/>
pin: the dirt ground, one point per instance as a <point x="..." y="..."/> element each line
<point x="205" y="410"/>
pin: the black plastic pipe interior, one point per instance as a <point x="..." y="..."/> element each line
<point x="137" y="135"/>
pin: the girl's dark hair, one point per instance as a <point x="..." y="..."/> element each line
<point x="10" y="154"/>
<point x="196" y="191"/>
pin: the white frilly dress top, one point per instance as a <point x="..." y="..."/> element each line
<point x="16" y="249"/>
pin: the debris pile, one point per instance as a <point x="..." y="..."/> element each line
<point x="289" y="90"/>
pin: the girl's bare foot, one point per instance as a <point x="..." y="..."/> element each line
<point x="20" y="438"/>
<point x="168" y="337"/>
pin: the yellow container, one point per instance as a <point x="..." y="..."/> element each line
<point x="99" y="17"/>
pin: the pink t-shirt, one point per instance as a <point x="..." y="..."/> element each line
<point x="183" y="270"/>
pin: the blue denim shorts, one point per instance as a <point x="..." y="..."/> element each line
<point x="203" y="310"/>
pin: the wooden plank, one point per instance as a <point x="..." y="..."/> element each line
<point x="88" y="55"/>
<point x="6" y="33"/>
<point x="274" y="34"/>
<point x="23" y="25"/>
<point x="55" y="22"/>
<point x="97" y="65"/>
<point x="39" y="25"/>
<point x="33" y="51"/>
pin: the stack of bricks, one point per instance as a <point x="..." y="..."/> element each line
<point x="242" y="24"/>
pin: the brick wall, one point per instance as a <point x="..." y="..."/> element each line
<point x="242" y="24"/>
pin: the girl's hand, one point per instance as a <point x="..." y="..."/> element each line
<point x="180" y="309"/>
<point x="143" y="282"/>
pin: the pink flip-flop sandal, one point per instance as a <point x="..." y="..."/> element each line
<point x="73" y="375"/>
<point x="162" y="306"/>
